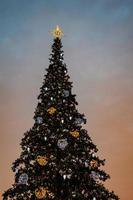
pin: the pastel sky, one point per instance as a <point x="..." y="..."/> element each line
<point x="98" y="47"/>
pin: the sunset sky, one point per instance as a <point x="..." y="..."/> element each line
<point x="98" y="48"/>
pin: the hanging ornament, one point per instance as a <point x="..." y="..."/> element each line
<point x="52" y="98"/>
<point x="23" y="179"/>
<point x="39" y="120"/>
<point x="65" y="130"/>
<point x="52" y="157"/>
<point x="51" y="110"/>
<point x="32" y="162"/>
<point x="74" y="134"/>
<point x="45" y="88"/>
<point x="28" y="149"/>
<point x="94" y="163"/>
<point x="62" y="121"/>
<point x="45" y="138"/>
<point x="86" y="164"/>
<point x="62" y="143"/>
<point x="41" y="192"/>
<point x="94" y="175"/>
<point x="73" y="194"/>
<point x="69" y="170"/>
<point x="78" y="121"/>
<point x="64" y="176"/>
<point x="93" y="155"/>
<point x="68" y="176"/>
<point x="42" y="160"/>
<point x="70" y="117"/>
<point x="66" y="93"/>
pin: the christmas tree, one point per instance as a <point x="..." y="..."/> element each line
<point x="58" y="159"/>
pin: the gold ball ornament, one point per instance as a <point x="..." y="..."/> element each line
<point x="51" y="110"/>
<point x="42" y="160"/>
<point x="74" y="134"/>
<point x="57" y="32"/>
<point x="41" y="192"/>
<point x="94" y="163"/>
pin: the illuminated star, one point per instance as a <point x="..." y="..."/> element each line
<point x="57" y="32"/>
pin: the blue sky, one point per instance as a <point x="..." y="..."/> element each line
<point x="93" y="25"/>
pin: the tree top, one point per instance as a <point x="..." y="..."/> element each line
<point x="57" y="32"/>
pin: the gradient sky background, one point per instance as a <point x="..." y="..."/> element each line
<point x="98" y="46"/>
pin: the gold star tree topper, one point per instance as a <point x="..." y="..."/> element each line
<point x="57" y="32"/>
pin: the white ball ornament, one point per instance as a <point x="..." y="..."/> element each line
<point x="62" y="143"/>
<point x="23" y="179"/>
